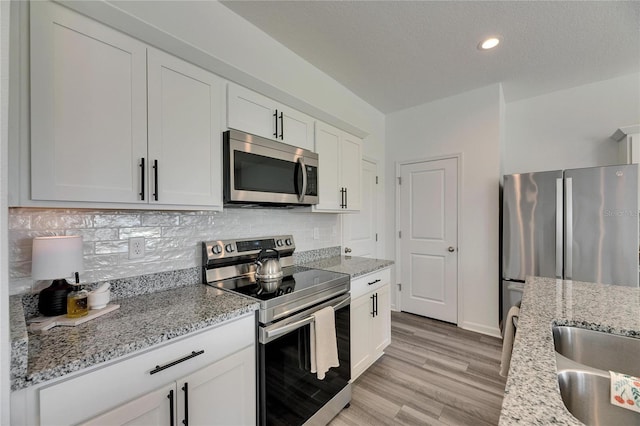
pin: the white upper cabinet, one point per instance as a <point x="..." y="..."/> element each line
<point x="116" y="121"/>
<point x="340" y="172"/>
<point x="254" y="113"/>
<point x="184" y="132"/>
<point x="88" y="109"/>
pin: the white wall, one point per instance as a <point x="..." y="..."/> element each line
<point x="469" y="124"/>
<point x="570" y="128"/>
<point x="4" y="276"/>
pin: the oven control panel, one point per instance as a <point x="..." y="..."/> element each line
<point x="214" y="251"/>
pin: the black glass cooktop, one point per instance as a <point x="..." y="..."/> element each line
<point x="296" y="280"/>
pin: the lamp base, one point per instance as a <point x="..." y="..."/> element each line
<point x="53" y="299"/>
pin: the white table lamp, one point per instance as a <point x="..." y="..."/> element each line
<point x="56" y="258"/>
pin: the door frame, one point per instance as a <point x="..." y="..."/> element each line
<point x="460" y="284"/>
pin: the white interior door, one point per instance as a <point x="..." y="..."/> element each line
<point x="359" y="229"/>
<point x="428" y="242"/>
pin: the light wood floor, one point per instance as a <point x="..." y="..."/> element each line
<point x="432" y="373"/>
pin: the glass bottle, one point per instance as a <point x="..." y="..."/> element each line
<point x="77" y="305"/>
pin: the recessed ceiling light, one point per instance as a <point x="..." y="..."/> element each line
<point x="489" y="43"/>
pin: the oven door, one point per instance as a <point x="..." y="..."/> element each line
<point x="288" y="392"/>
<point x="258" y="170"/>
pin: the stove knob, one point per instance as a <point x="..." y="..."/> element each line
<point x="229" y="248"/>
<point x="288" y="241"/>
<point x="279" y="243"/>
<point x="216" y="249"/>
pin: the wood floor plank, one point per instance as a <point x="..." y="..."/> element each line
<point x="432" y="373"/>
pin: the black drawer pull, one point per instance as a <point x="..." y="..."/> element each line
<point x="373" y="282"/>
<point x="159" y="368"/>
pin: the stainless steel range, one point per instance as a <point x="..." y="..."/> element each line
<point x="288" y="392"/>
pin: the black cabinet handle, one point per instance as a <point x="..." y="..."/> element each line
<point x="159" y="368"/>
<point x="170" y="396"/>
<point x="142" y="173"/>
<point x="342" y="198"/>
<point x="376" y="303"/>
<point x="346" y="199"/>
<point x="373" y="282"/>
<point x="155" y="180"/>
<point x="281" y="125"/>
<point x="185" y="388"/>
<point x="373" y="306"/>
<point x="275" y="115"/>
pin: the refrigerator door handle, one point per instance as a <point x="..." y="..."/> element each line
<point x="559" y="226"/>
<point x="568" y="255"/>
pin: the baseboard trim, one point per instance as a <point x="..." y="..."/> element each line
<point x="481" y="328"/>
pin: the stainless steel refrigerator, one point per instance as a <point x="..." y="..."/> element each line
<point x="579" y="224"/>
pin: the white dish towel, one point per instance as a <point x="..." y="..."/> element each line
<point x="323" y="344"/>
<point x="625" y="391"/>
<point x="507" y="342"/>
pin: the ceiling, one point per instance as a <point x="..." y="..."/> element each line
<point x="398" y="54"/>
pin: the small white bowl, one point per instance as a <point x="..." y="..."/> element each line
<point x="99" y="300"/>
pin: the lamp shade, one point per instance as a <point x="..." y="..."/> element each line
<point x="56" y="257"/>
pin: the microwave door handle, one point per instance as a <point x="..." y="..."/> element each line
<point x="303" y="169"/>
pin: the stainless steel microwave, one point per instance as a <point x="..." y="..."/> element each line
<point x="259" y="171"/>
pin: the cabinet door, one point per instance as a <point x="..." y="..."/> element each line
<point x="361" y="316"/>
<point x="88" y="109"/>
<point x="381" y="324"/>
<point x="154" y="408"/>
<point x="297" y="129"/>
<point x="351" y="170"/>
<point x="251" y="112"/>
<point x="185" y="151"/>
<point x="224" y="393"/>
<point x="328" y="149"/>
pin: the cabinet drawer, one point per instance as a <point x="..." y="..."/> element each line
<point x="82" y="397"/>
<point x="369" y="282"/>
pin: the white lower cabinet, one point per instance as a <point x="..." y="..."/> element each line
<point x="219" y="394"/>
<point x="154" y="408"/>
<point x="206" y="378"/>
<point x="370" y="320"/>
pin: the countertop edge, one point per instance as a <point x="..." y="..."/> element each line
<point x="532" y="380"/>
<point x="21" y="378"/>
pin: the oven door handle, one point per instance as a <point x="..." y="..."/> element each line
<point x="268" y="334"/>
<point x="303" y="170"/>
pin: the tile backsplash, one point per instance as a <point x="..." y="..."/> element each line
<point x="172" y="238"/>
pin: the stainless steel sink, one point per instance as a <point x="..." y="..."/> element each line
<point x="586" y="396"/>
<point x="597" y="349"/>
<point x="583" y="358"/>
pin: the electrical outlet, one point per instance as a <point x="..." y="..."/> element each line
<point x="316" y="233"/>
<point x="136" y="248"/>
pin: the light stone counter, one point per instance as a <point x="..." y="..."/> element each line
<point x="532" y="395"/>
<point x="352" y="265"/>
<point x="140" y="323"/>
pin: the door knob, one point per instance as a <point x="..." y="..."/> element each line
<point x="347" y="250"/>
<point x="451" y="249"/>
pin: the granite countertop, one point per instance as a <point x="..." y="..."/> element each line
<point x="141" y="322"/>
<point x="352" y="265"/>
<point x="532" y="395"/>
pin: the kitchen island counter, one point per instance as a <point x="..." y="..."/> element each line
<point x="140" y="323"/>
<point x="353" y="265"/>
<point x="532" y="395"/>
